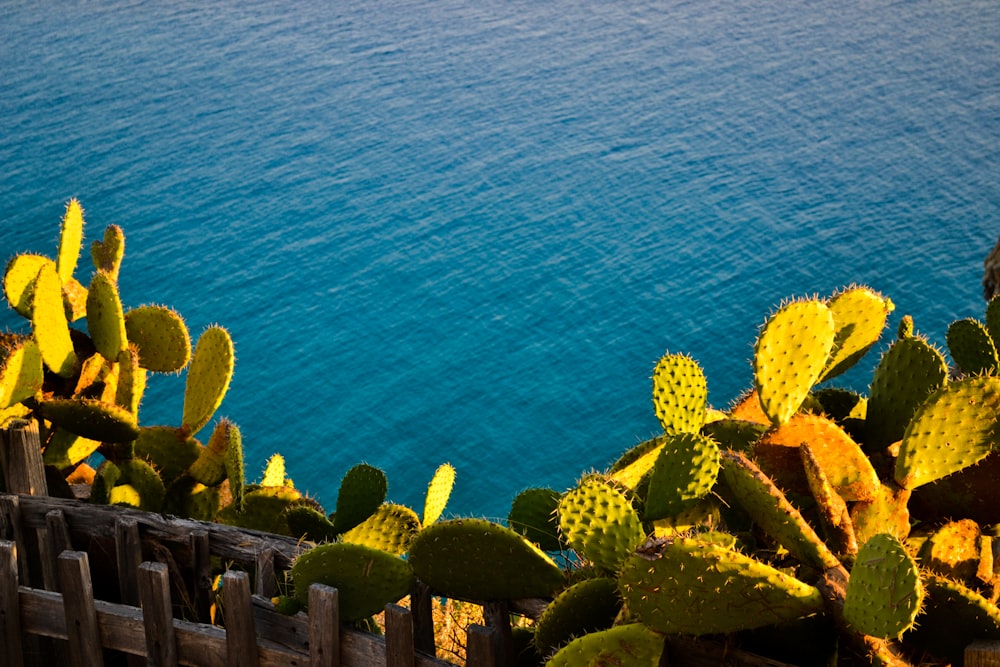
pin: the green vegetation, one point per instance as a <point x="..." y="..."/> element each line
<point x="806" y="522"/>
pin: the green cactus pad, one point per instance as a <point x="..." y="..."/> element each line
<point x="49" y="324"/>
<point x="953" y="617"/>
<point x="953" y="551"/>
<point x="703" y="514"/>
<point x="187" y="498"/>
<point x="361" y="492"/>
<point x="909" y="371"/>
<point x="587" y="606"/>
<point x="438" y="492"/>
<point x="694" y="587"/>
<point x="168" y="449"/>
<point x="680" y="394"/>
<point x="802" y="331"/>
<point x="735" y="434"/>
<point x="390" y="528"/>
<point x="305" y="522"/>
<point x="769" y="508"/>
<point x="263" y="509"/>
<point x="105" y="318"/>
<point x="91" y="418"/>
<point x="210" y="468"/>
<point x="161" y="336"/>
<point x="19" y="278"/>
<point x="954" y="428"/>
<point x="633" y="644"/>
<point x="64" y="449"/>
<point x="143" y="478"/>
<point x="971" y="493"/>
<point x="21" y="372"/>
<point x="208" y="378"/>
<point x="107" y="254"/>
<point x="886" y="513"/>
<point x="841" y="404"/>
<point x="972" y="348"/>
<point x="884" y="593"/>
<point x="70" y="240"/>
<point x="131" y="381"/>
<point x="533" y="514"/>
<point x="367" y="579"/>
<point x="475" y="559"/>
<point x="859" y="316"/>
<point x="634" y="465"/>
<point x="600" y="524"/>
<point x="684" y="473"/>
<point x="993" y="318"/>
<point x="233" y="463"/>
<point x="832" y="509"/>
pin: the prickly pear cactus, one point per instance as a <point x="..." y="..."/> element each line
<point x="680" y="394"/>
<point x="884" y="593"/>
<point x="972" y="348"/>
<point x="859" y="315"/>
<point x="161" y="336"/>
<point x="685" y="472"/>
<point x="208" y="378"/>
<point x="633" y="644"/>
<point x="590" y="605"/>
<point x="438" y="492"/>
<point x="533" y="514"/>
<point x="361" y="492"/>
<point x="599" y="522"/>
<point x="390" y="528"/>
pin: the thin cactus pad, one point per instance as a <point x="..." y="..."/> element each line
<point x="972" y="348"/>
<point x="859" y="316"/>
<point x="105" y="318"/>
<point x="19" y="278"/>
<point x="694" y="587"/>
<point x="161" y="336"/>
<point x="70" y="240"/>
<point x="21" y="372"/>
<point x="438" y="492"/>
<point x="49" y="323"/>
<point x="954" y="428"/>
<point x="683" y="474"/>
<point x="790" y="355"/>
<point x="533" y="514"/>
<point x="680" y="394"/>
<point x="633" y="644"/>
<point x="632" y="466"/>
<point x="367" y="579"/>
<point x="884" y="593"/>
<point x="599" y="522"/>
<point x="208" y="378"/>
<point x="475" y="559"/>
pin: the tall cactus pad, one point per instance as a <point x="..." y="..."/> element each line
<point x="599" y="522"/>
<point x="590" y="605"/>
<point x="684" y="473"/>
<point x="533" y="514"/>
<point x="846" y="466"/>
<point x="698" y="588"/>
<point x="70" y="240"/>
<point x="21" y="372"/>
<point x="954" y="428"/>
<point x="909" y="371"/>
<point x="769" y="509"/>
<point x="161" y="336"/>
<point x="233" y="462"/>
<point x="680" y="394"/>
<point x="107" y="255"/>
<point x="390" y="528"/>
<point x="993" y="319"/>
<point x="105" y="318"/>
<point x="210" y="467"/>
<point x="208" y="378"/>
<point x="367" y="579"/>
<point x="972" y="348"/>
<point x="438" y="492"/>
<point x="49" y="324"/>
<point x="634" y="645"/>
<point x="830" y="506"/>
<point x="884" y="593"/>
<point x="274" y="472"/>
<point x="633" y="466"/>
<point x="361" y="492"/>
<point x="791" y="353"/>
<point x="91" y="418"/>
<point x="19" y="278"/>
<point x="859" y="315"/>
<point x="475" y="559"/>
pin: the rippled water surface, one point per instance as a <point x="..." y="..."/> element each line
<point x="463" y="231"/>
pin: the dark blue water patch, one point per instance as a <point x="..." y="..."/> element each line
<point x="463" y="232"/>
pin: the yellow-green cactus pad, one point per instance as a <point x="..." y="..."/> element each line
<point x="587" y="606"/>
<point x="390" y="528"/>
<point x="21" y="372"/>
<point x="19" y="278"/>
<point x="274" y="472"/>
<point x="208" y="378"/>
<point x="168" y="449"/>
<point x="367" y="579"/>
<point x="791" y="352"/>
<point x="64" y="449"/>
<point x="884" y="593"/>
<point x="107" y="255"/>
<point x="105" y="318"/>
<point x="956" y="427"/>
<point x="633" y="644"/>
<point x="91" y="418"/>
<point x="131" y="380"/>
<point x="599" y="523"/>
<point x="684" y="473"/>
<point x="161" y="336"/>
<point x="438" y="492"/>
<point x="210" y="468"/>
<point x="694" y="587"/>
<point x="680" y="394"/>
<point x="70" y="240"/>
<point x="361" y="492"/>
<point x="859" y="316"/>
<point x="533" y="514"/>
<point x="49" y="324"/>
<point x="633" y="466"/>
<point x="886" y="513"/>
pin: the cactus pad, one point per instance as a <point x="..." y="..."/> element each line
<point x="105" y="318"/>
<point x="361" y="492"/>
<point x="586" y="606"/>
<point x="107" y="254"/>
<point x="167" y="449"/>
<point x="633" y="644"/>
<point x="70" y="240"/>
<point x="49" y="324"/>
<point x="884" y="593"/>
<point x="161" y="336"/>
<point x="680" y="394"/>
<point x="19" y="278"/>
<point x="474" y="559"/>
<point x="954" y="428"/>
<point x="533" y="514"/>
<point x="694" y="587"/>
<point x="438" y="492"/>
<point x="390" y="528"/>
<point x="599" y="522"/>
<point x="208" y="378"/>
<point x="21" y="372"/>
<point x="859" y="316"/>
<point x="683" y="474"/>
<point x="632" y="466"/>
<point x="367" y="579"/>
<point x="91" y="418"/>
<point x="972" y="348"/>
<point x="803" y="332"/>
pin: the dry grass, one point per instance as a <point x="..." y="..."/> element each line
<point x="452" y="619"/>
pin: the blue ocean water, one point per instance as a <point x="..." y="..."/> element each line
<point x="462" y="231"/>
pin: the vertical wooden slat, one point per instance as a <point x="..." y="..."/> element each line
<point x="56" y="541"/>
<point x="10" y="529"/>
<point x="496" y="615"/>
<point x="201" y="568"/>
<point x="241" y="636"/>
<point x="481" y="646"/>
<point x="21" y="456"/>
<point x="324" y="626"/>
<point x="267" y="585"/>
<point x="398" y="637"/>
<point x="982" y="654"/>
<point x="421" y="607"/>
<point x="157" y="617"/>
<point x="128" y="554"/>
<point x="81" y="615"/>
<point x="10" y="617"/>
